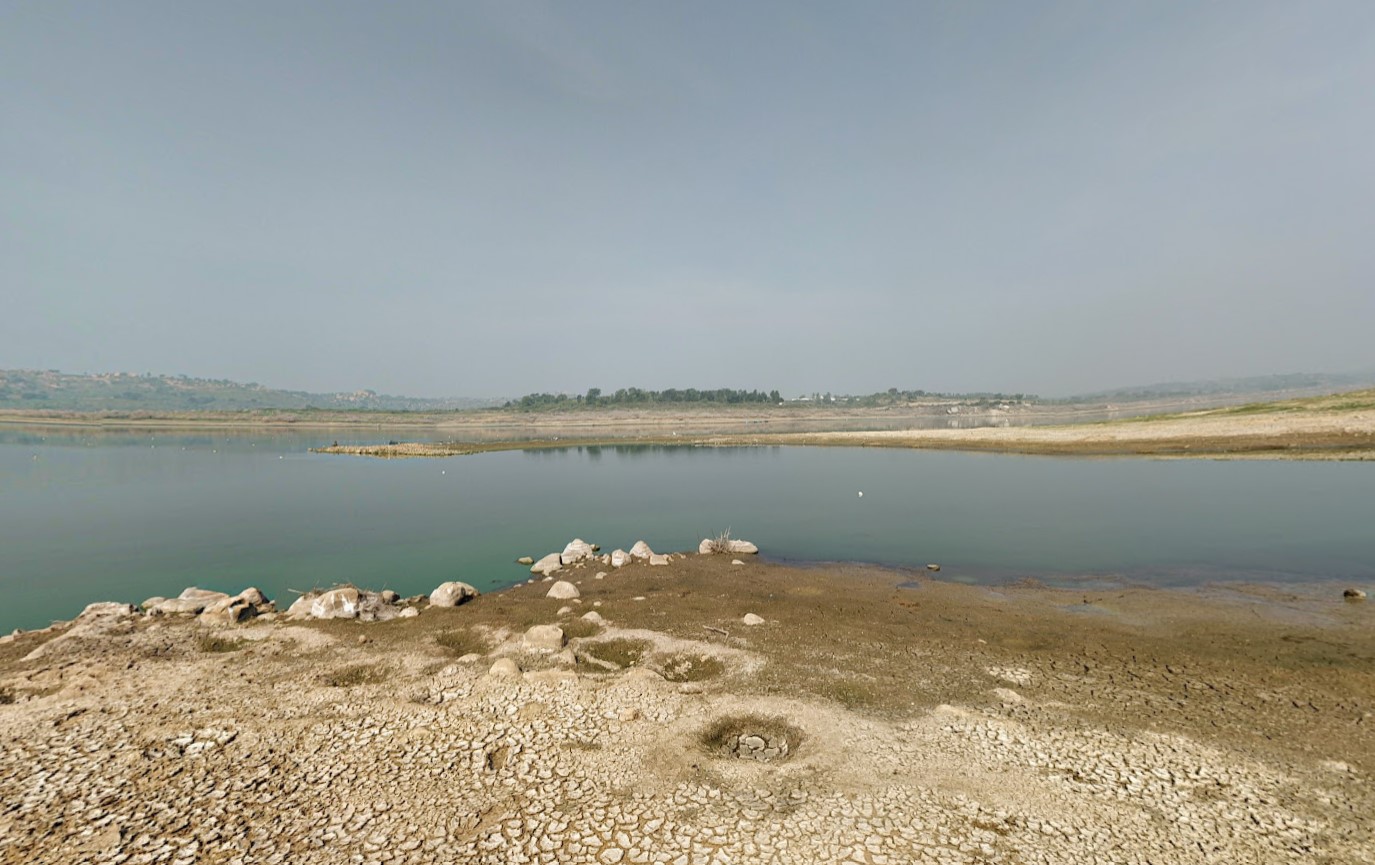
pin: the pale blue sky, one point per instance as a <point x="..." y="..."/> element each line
<point x="495" y="198"/>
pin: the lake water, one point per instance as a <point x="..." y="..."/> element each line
<point x="123" y="517"/>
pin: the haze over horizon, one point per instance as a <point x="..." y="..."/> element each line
<point x="497" y="198"/>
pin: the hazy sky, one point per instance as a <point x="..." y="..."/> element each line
<point x="494" y="198"/>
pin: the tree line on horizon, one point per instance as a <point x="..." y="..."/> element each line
<point x="639" y="396"/>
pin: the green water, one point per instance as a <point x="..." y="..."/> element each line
<point x="102" y="517"/>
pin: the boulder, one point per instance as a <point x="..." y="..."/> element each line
<point x="106" y="611"/>
<point x="178" y="607"/>
<point x="593" y="616"/>
<point x="230" y="611"/>
<point x="752" y="619"/>
<point x="525" y="560"/>
<point x="190" y="602"/>
<point x="452" y="594"/>
<point x="619" y="559"/>
<point x="736" y="562"/>
<point x="544" y="638"/>
<point x="706" y="547"/>
<point x="656" y="559"/>
<point x="504" y="667"/>
<point x="388" y="596"/>
<point x="547" y="565"/>
<point x="341" y="603"/>
<point x="300" y="608"/>
<point x="152" y="602"/>
<point x="243" y="606"/>
<point x="563" y="590"/>
<point x="408" y="613"/>
<point x="742" y="548"/>
<point x="576" y="551"/>
<point x="373" y="608"/>
<point x="253" y="596"/>
<point x="641" y="550"/>
<point x="206" y="595"/>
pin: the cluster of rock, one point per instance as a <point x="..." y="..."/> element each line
<point x="758" y="746"/>
<point x="709" y="546"/>
<point x="578" y="552"/>
<point x="211" y="607"/>
<point x="340" y="602"/>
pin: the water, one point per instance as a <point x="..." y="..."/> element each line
<point x="106" y="517"/>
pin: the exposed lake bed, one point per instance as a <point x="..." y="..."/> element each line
<point x="946" y="723"/>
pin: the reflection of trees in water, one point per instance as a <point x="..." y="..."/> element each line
<point x="641" y="451"/>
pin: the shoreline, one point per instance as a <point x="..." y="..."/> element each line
<point x="1337" y="427"/>
<point x="949" y="723"/>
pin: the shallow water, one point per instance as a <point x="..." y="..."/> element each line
<point x="123" y="517"/>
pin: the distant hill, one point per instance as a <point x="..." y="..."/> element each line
<point x="1293" y="384"/>
<point x="58" y="391"/>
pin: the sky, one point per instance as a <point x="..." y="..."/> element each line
<point x="495" y="198"/>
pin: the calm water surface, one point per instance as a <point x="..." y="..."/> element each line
<point x="116" y="517"/>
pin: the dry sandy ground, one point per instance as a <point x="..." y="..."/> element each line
<point x="1325" y="435"/>
<point x="1342" y="435"/>
<point x="926" y="722"/>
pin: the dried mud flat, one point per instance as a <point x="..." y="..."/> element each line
<point x="937" y="723"/>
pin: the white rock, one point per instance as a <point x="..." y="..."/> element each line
<point x="563" y="611"/>
<point x="706" y="547"/>
<point x="743" y="547"/>
<point x="300" y="608"/>
<point x="656" y="559"/>
<point x="619" y="558"/>
<point x="576" y="551"/>
<point x="593" y="616"/>
<point x="641" y="550"/>
<point x="547" y="638"/>
<point x="452" y="594"/>
<point x="736" y="562"/>
<point x="563" y="590"/>
<point x="752" y="619"/>
<point x="547" y="565"/>
<point x="341" y="603"/>
<point x="408" y="613"/>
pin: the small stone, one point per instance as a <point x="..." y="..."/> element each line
<point x="1354" y="595"/>
<point x="656" y="559"/>
<point x="525" y="560"/>
<point x="933" y="567"/>
<point x="563" y="611"/>
<point x="593" y="616"/>
<point x="736" y="562"/>
<point x="409" y="613"/>
<point x="752" y="619"/>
